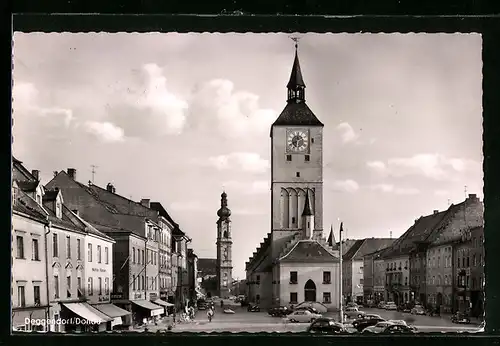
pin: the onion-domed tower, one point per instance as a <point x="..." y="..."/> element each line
<point x="224" y="249"/>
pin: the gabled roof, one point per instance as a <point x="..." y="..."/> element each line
<point x="353" y="250"/>
<point x="163" y="212"/>
<point x="308" y="251"/>
<point x="297" y="114"/>
<point x="21" y="173"/>
<point x="26" y="205"/>
<point x="346" y="245"/>
<point x="371" y="245"/>
<point x="418" y="232"/>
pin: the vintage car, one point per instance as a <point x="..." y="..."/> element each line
<point x="303" y="316"/>
<point x="325" y="325"/>
<point x="366" y="321"/>
<point x="353" y="313"/>
<point x="418" y="310"/>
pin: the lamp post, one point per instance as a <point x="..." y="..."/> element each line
<point x="341" y="300"/>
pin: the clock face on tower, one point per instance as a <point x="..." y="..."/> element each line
<point x="297" y="141"/>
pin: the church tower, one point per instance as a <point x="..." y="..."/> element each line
<point x="296" y="167"/>
<point x="224" y="266"/>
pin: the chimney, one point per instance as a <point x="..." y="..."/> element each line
<point x="145" y="202"/>
<point x="36" y="174"/>
<point x="472" y="196"/>
<point x="55" y="173"/>
<point x="72" y="173"/>
<point x="110" y="188"/>
<point x="436" y="211"/>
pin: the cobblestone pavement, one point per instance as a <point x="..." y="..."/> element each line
<point x="254" y="322"/>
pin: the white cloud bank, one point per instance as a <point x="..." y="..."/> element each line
<point x="246" y="161"/>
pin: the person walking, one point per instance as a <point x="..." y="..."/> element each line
<point x="210" y="314"/>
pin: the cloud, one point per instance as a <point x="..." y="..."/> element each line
<point x="348" y="133"/>
<point x="432" y="166"/>
<point x="348" y="185"/>
<point x="248" y="188"/>
<point x="251" y="162"/>
<point x="441" y="192"/>
<point x="153" y="110"/>
<point x="388" y="188"/>
<point x="105" y="131"/>
<point x="235" y="113"/>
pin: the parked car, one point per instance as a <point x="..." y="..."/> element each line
<point x="307" y="308"/>
<point x="253" y="308"/>
<point x="279" y="311"/>
<point x="390" y="306"/>
<point x="228" y="311"/>
<point x="367" y="321"/>
<point x="352" y="305"/>
<point x="325" y="325"/>
<point x="390" y="327"/>
<point x="404" y="308"/>
<point x="303" y="316"/>
<point x="353" y="313"/>
<point x="418" y="310"/>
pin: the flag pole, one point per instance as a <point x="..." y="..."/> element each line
<point x="341" y="300"/>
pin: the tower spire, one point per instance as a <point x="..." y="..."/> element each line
<point x="296" y="86"/>
<point x="307" y="206"/>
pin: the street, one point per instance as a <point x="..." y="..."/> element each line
<point x="254" y="322"/>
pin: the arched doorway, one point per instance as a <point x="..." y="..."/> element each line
<point x="310" y="291"/>
<point x="439" y="299"/>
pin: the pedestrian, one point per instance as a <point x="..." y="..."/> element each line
<point x="221" y="303"/>
<point x="210" y="314"/>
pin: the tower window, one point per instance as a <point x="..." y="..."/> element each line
<point x="293" y="220"/>
<point x="312" y="140"/>
<point x="308" y="225"/>
<point x="297" y="174"/>
<point x="307" y="158"/>
<point x="289" y="157"/>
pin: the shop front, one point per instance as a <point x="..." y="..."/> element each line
<point x="82" y="317"/>
<point x="121" y="317"/>
<point x="165" y="305"/>
<point x="145" y="311"/>
<point x="29" y="319"/>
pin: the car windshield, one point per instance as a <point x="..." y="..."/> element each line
<point x="383" y="325"/>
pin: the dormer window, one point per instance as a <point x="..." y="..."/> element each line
<point x="58" y="210"/>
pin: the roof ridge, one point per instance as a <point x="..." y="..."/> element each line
<point x="122" y="197"/>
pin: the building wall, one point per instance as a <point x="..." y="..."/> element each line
<point x="398" y="278"/>
<point x="368" y="278"/>
<point x="95" y="269"/>
<point x="347" y="282"/>
<point x="357" y="278"/>
<point x="165" y="270"/>
<point x="314" y="272"/>
<point x="439" y="275"/>
<point x="379" y="277"/>
<point x="418" y="276"/>
<point x="121" y="266"/>
<point x="283" y="176"/>
<point x="137" y="272"/>
<point x="28" y="271"/>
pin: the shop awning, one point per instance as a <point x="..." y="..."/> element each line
<point x="87" y="312"/>
<point x="162" y="303"/>
<point x="111" y="310"/>
<point x="155" y="309"/>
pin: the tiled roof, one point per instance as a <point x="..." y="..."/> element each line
<point x="207" y="266"/>
<point x="308" y="251"/>
<point x="346" y="245"/>
<point x="24" y="208"/>
<point x="418" y="232"/>
<point x="297" y="114"/>
<point x="27" y="186"/>
<point x="371" y="245"/>
<point x="352" y="250"/>
<point x="163" y="212"/>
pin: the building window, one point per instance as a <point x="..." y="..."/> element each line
<point x="143" y="257"/>
<point x="36" y="295"/>
<point x="21" y="298"/>
<point x="474" y="260"/>
<point x="99" y="258"/>
<point x="133" y="255"/>
<point x="327" y="297"/>
<point x="147" y="282"/>
<point x="293" y="278"/>
<point x="99" y="280"/>
<point x="20" y="247"/>
<point x="89" y="254"/>
<point x="79" y="286"/>
<point x="293" y="220"/>
<point x="78" y="249"/>
<point x="68" y="247"/>
<point x="307" y="158"/>
<point x="56" y="286"/>
<point x="361" y="281"/>
<point x="106" y="286"/>
<point x="327" y="277"/>
<point x="143" y="284"/>
<point x="258" y="279"/>
<point x="133" y="282"/>
<point x="293" y="298"/>
<point x="90" y="284"/>
<point x="68" y="286"/>
<point x="289" y="157"/>
<point x="35" y="256"/>
<point x="480" y="260"/>
<point x="297" y="174"/>
<point x="468" y="261"/>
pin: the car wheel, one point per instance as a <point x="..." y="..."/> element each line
<point x="359" y="316"/>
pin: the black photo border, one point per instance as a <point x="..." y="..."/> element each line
<point x="320" y="16"/>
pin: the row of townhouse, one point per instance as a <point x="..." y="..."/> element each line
<point x="128" y="259"/>
<point x="437" y="262"/>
